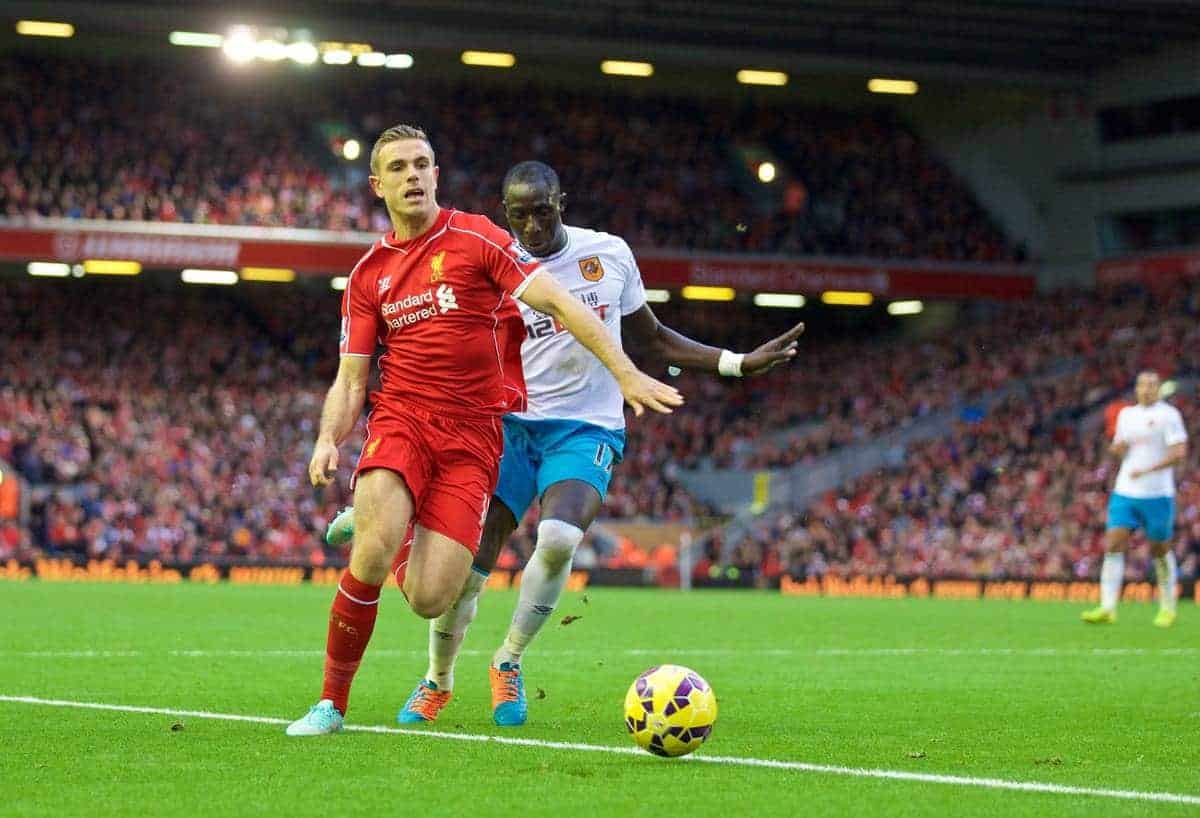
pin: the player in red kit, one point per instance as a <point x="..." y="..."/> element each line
<point x="435" y="292"/>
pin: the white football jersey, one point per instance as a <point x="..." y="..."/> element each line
<point x="1148" y="430"/>
<point x="564" y="380"/>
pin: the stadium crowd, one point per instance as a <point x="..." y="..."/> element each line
<point x="204" y="435"/>
<point x="850" y="389"/>
<point x="1001" y="499"/>
<point x="148" y="435"/>
<point x="1015" y="494"/>
<point x="145" y="434"/>
<point x="123" y="140"/>
<point x="151" y="436"/>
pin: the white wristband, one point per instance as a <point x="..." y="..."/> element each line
<point x="730" y="363"/>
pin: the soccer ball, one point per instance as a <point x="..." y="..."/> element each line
<point x="670" y="710"/>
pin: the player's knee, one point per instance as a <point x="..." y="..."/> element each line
<point x="425" y="602"/>
<point x="427" y="607"/>
<point x="556" y="543"/>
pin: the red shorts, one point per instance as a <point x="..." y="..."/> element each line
<point x="449" y="464"/>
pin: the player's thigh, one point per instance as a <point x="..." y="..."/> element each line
<point x="383" y="507"/>
<point x="573" y="501"/>
<point x="1123" y="519"/>
<point x="1159" y="513"/>
<point x="437" y="571"/>
<point x="449" y="526"/>
<point x="573" y="476"/>
<point x="516" y="482"/>
<point x="1117" y="539"/>
<point x="393" y="469"/>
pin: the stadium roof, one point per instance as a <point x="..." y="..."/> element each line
<point x="1054" y="42"/>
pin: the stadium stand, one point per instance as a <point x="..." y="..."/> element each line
<point x="1020" y="493"/>
<point x="98" y="140"/>
<point x="145" y="434"/>
<point x="204" y="435"/>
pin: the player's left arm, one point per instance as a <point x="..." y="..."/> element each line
<point x="648" y="333"/>
<point x="1176" y="453"/>
<point x="545" y="294"/>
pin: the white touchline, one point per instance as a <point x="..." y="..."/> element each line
<point x="204" y="653"/>
<point x="856" y="772"/>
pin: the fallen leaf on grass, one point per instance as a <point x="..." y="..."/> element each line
<point x="176" y="727"/>
<point x="567" y="620"/>
<point x="916" y="754"/>
<point x="541" y="694"/>
<point x="1054" y="760"/>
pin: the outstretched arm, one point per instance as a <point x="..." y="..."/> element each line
<point x="650" y="334"/>
<point x="642" y="392"/>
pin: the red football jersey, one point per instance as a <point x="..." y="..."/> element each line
<point x="440" y="305"/>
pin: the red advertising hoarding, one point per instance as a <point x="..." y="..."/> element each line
<point x="1158" y="268"/>
<point x="314" y="252"/>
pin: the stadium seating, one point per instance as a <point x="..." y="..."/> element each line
<point x="123" y="139"/>
<point x="1017" y="494"/>
<point x="204" y="435"/>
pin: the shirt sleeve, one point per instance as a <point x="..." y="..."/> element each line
<point x="506" y="262"/>
<point x="1175" y="431"/>
<point x="633" y="296"/>
<point x="360" y="316"/>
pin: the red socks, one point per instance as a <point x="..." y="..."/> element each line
<point x="350" y="624"/>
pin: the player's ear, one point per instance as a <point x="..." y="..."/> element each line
<point x="374" y="182"/>
<point x="562" y="202"/>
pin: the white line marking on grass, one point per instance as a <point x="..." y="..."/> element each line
<point x="73" y="654"/>
<point x="205" y="653"/>
<point x="855" y="772"/>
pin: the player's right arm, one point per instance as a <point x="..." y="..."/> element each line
<point x="343" y="404"/>
<point x="345" y="400"/>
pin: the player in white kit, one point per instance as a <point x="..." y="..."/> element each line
<point x="563" y="448"/>
<point x="1150" y="440"/>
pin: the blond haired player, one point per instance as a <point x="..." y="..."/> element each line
<point x="437" y="292"/>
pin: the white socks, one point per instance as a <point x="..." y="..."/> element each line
<point x="1111" y="575"/>
<point x="446" y="633"/>
<point x="542" y="584"/>
<point x="1167" y="572"/>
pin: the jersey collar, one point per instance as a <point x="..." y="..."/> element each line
<point x="390" y="241"/>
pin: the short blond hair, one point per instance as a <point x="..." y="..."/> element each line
<point x="395" y="134"/>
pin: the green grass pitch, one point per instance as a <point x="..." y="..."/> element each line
<point x="1017" y="691"/>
